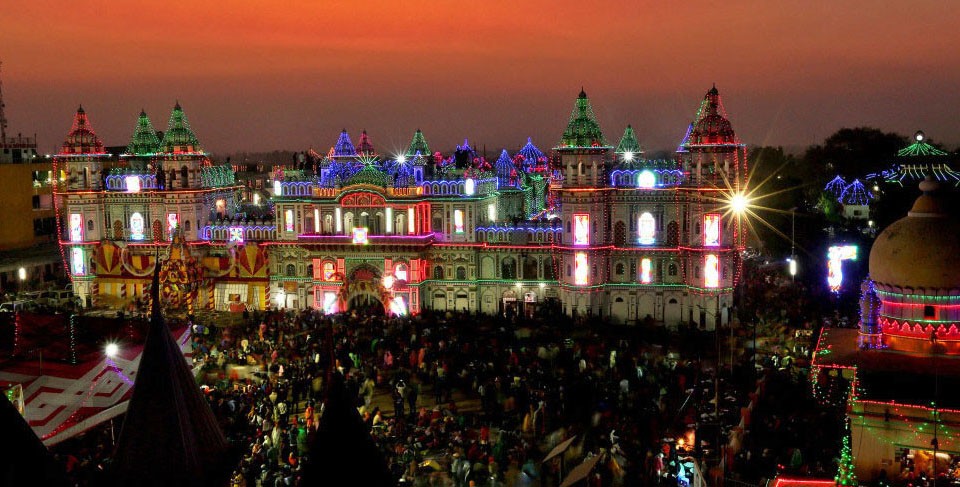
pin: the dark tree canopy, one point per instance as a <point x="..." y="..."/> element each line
<point x="855" y="152"/>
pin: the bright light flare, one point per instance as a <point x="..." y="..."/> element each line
<point x="112" y="349"/>
<point x="739" y="203"/>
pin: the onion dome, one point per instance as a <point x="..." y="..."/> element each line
<point x="711" y="125"/>
<point x="582" y="130"/>
<point x="532" y="155"/>
<point x="344" y="147"/>
<point x="922" y="250"/>
<point x="144" y="141"/>
<point x="418" y="145"/>
<point x="179" y="138"/>
<point x="365" y="147"/>
<point x="368" y="175"/>
<point x="81" y="139"/>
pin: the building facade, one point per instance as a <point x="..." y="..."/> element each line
<point x="594" y="229"/>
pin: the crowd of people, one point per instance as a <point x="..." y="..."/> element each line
<point x="461" y="399"/>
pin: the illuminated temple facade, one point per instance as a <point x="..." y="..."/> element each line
<point x="590" y="229"/>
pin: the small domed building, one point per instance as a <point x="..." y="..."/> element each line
<point x="903" y="361"/>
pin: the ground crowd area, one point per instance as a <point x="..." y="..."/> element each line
<point x="460" y="399"/>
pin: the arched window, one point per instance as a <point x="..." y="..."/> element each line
<point x="186" y="226"/>
<point x="310" y="270"/>
<point x="89" y="225"/>
<point x="672" y="269"/>
<point x="619" y="268"/>
<point x="438" y="272"/>
<point x="136" y="226"/>
<point x="291" y="270"/>
<point x="508" y="268"/>
<point x="328" y="270"/>
<point x="461" y="273"/>
<point x="646" y="229"/>
<point x="620" y="234"/>
<point x="400" y="271"/>
<point x="184" y="181"/>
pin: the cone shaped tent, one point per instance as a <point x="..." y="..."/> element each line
<point x="23" y="458"/>
<point x="343" y="448"/>
<point x="169" y="435"/>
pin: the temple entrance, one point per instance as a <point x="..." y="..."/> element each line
<point x="366" y="304"/>
<point x="363" y="292"/>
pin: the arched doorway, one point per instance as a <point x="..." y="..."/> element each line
<point x="366" y="304"/>
<point x="363" y="292"/>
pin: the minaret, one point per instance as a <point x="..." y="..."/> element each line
<point x="3" y="116"/>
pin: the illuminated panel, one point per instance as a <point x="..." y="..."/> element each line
<point x="646" y="179"/>
<point x="277" y="190"/>
<point x="646" y="229"/>
<point x="411" y="222"/>
<point x="132" y="183"/>
<point x="360" y="236"/>
<point x="469" y="187"/>
<point x="329" y="302"/>
<point x="581" y="229"/>
<point x="711" y="271"/>
<point x="835" y="257"/>
<point x="457" y="221"/>
<point x="645" y="270"/>
<point x="400" y="272"/>
<point x="581" y="271"/>
<point x="173" y="221"/>
<point x="288" y="220"/>
<point x="136" y="226"/>
<point x="76" y="227"/>
<point x="77" y="264"/>
<point x="389" y="219"/>
<point x="388" y="281"/>
<point x="492" y="212"/>
<point x="236" y="234"/>
<point x="316" y="220"/>
<point x="328" y="271"/>
<point x="711" y="230"/>
<point x="398" y="306"/>
<point x="339" y="218"/>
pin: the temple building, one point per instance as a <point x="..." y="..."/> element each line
<point x="593" y="229"/>
<point x="903" y="363"/>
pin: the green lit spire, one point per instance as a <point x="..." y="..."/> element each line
<point x="179" y="138"/>
<point x="144" y="141"/>
<point x="418" y="144"/>
<point x="629" y="143"/>
<point x="920" y="147"/>
<point x="582" y="131"/>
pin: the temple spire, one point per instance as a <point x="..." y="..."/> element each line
<point x="629" y="143"/>
<point x="144" y="141"/>
<point x="582" y="130"/>
<point x="344" y="146"/>
<point x="179" y="138"/>
<point x="365" y="147"/>
<point x="81" y="139"/>
<point x="418" y="144"/>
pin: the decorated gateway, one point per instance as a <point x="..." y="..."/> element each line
<point x="592" y="229"/>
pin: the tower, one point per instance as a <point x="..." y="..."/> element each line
<point x="82" y="155"/>
<point x="714" y="164"/>
<point x="180" y="157"/>
<point x="144" y="143"/>
<point x="584" y="210"/>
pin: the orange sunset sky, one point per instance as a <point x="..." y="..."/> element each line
<point x="263" y="75"/>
